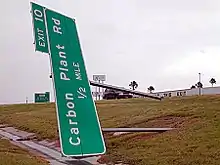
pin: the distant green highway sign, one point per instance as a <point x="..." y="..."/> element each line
<point x="79" y="127"/>
<point x="40" y="34"/>
<point x="42" y="97"/>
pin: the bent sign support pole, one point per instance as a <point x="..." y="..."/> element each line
<point x="136" y="129"/>
<point x="93" y="83"/>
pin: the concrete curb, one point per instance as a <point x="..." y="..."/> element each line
<point x="50" y="151"/>
<point x="50" y="154"/>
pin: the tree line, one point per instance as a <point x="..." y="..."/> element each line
<point x="134" y="85"/>
<point x="212" y="81"/>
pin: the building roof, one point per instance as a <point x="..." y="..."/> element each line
<point x="180" y="90"/>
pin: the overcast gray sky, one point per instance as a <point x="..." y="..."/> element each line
<point x="155" y="42"/>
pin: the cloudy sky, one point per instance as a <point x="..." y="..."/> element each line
<point x="155" y="42"/>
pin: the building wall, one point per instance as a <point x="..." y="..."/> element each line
<point x="171" y="93"/>
<point x="189" y="92"/>
<point x="204" y="91"/>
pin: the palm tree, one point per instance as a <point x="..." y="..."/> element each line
<point x="133" y="85"/>
<point x="151" y="88"/>
<point x="212" y="81"/>
<point x="199" y="85"/>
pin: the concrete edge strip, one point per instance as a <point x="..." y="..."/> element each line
<point x="29" y="137"/>
<point x="4" y="125"/>
<point x="9" y="135"/>
<point x="32" y="145"/>
<point x="52" y="154"/>
<point x="43" y="150"/>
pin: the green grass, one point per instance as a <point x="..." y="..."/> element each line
<point x="40" y="118"/>
<point x="12" y="155"/>
<point x="196" y="141"/>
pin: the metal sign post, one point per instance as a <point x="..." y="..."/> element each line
<point x="99" y="79"/>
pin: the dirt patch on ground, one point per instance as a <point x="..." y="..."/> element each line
<point x="157" y="122"/>
<point x="104" y="159"/>
<point x="177" y="122"/>
<point x="162" y="122"/>
<point x="144" y="136"/>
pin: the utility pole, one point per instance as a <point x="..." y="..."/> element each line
<point x="99" y="91"/>
<point x="200" y="82"/>
<point x="199" y="77"/>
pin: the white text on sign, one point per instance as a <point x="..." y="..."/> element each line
<point x="69" y="97"/>
<point x="38" y="16"/>
<point x="81" y="93"/>
<point x="77" y="71"/>
<point x="71" y="115"/>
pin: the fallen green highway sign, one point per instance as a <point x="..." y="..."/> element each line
<point x="79" y="127"/>
<point x="40" y="34"/>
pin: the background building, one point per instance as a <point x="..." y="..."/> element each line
<point x="189" y="92"/>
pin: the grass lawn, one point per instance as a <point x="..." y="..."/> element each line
<point x="12" y="155"/>
<point x="196" y="141"/>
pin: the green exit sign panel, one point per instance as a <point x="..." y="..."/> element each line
<point x="79" y="127"/>
<point x="42" y="97"/>
<point x="40" y="35"/>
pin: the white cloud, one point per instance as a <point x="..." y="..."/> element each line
<point x="204" y="60"/>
